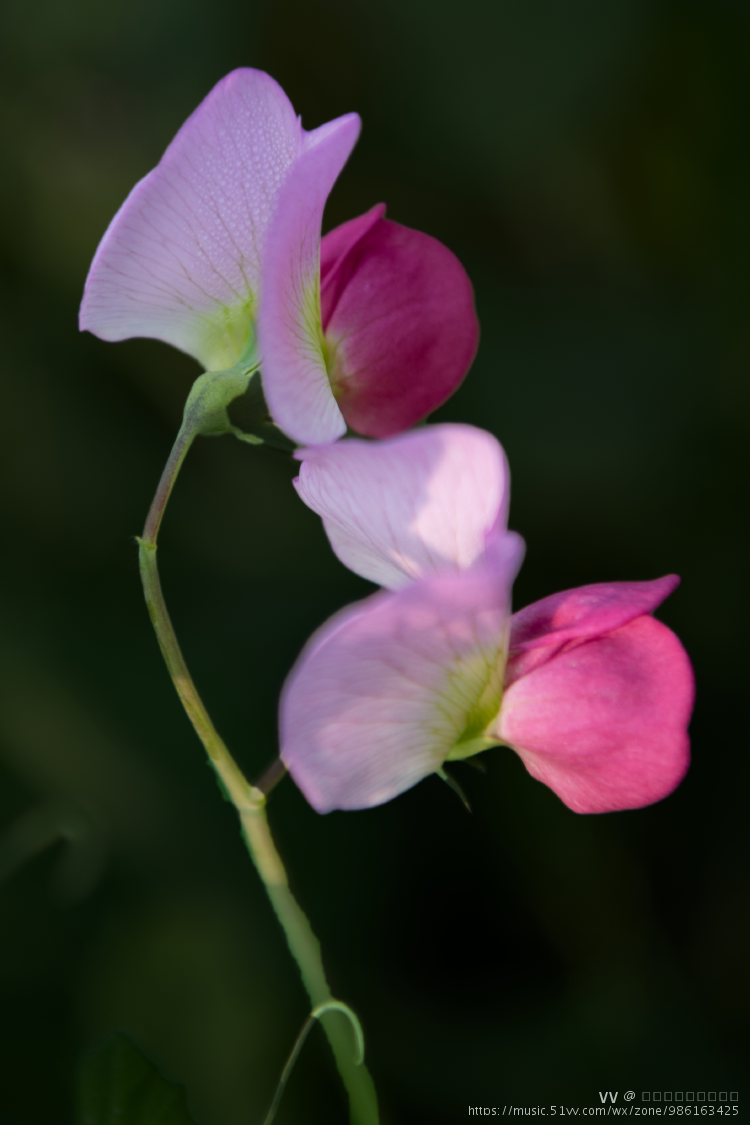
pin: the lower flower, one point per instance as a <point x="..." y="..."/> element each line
<point x="588" y="688"/>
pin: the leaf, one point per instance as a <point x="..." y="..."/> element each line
<point x="117" y="1085"/>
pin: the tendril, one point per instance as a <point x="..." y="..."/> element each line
<point x="318" y="1011"/>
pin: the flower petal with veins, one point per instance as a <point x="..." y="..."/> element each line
<point x="403" y="509"/>
<point x="181" y="260"/>
<point x="390" y="688"/>
<point x="541" y="630"/>
<point x="295" y="373"/>
<point x="604" y="722"/>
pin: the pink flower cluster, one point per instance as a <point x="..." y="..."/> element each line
<point x="219" y="252"/>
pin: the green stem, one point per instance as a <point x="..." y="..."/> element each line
<point x="182" y="444"/>
<point x="305" y="948"/>
<point x="249" y="800"/>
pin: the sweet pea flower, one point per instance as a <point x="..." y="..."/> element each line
<point x="588" y="688"/>
<point x="219" y="248"/>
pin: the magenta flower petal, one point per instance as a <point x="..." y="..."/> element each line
<point x="338" y="242"/>
<point x="540" y="630"/>
<point x="181" y="260"/>
<point x="294" y="353"/>
<point x="587" y="611"/>
<point x="604" y="722"/>
<point x="399" y="322"/>
<point x="403" y="509"/>
<point x="390" y="688"/>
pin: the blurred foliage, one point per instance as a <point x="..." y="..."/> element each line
<point x="590" y="164"/>
<point x="118" y="1086"/>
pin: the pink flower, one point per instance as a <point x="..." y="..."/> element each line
<point x="586" y="686"/>
<point x="220" y="244"/>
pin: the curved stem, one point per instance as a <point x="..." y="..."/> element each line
<point x="249" y="800"/>
<point x="236" y="785"/>
<point x="182" y="444"/>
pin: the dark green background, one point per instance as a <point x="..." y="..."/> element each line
<point x="590" y="163"/>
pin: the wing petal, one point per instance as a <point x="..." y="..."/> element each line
<point x="181" y="259"/>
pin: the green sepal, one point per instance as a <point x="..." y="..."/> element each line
<point x="206" y="409"/>
<point x="212" y="393"/>
<point x="451" y="782"/>
<point x="251" y="420"/>
<point x="117" y="1085"/>
<point x="232" y="402"/>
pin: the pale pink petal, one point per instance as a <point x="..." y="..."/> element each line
<point x="181" y="260"/>
<point x="295" y="376"/>
<point x="406" y="508"/>
<point x="388" y="690"/>
<point x="540" y="630"/>
<point x="399" y="322"/>
<point x="604" y="722"/>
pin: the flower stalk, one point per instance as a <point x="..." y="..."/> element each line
<point x="249" y="801"/>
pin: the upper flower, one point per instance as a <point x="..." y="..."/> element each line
<point x="586" y="686"/>
<point x="182" y="259"/>
<point x="220" y="244"/>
